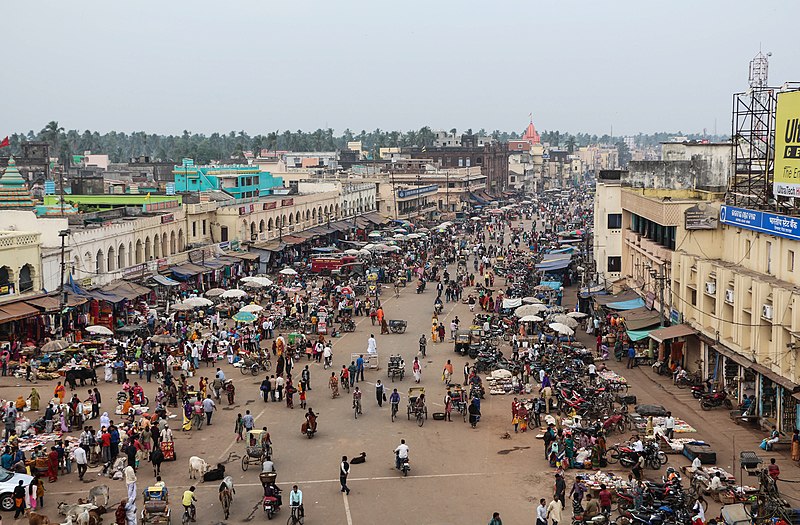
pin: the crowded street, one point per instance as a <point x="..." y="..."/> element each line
<point x="459" y="472"/>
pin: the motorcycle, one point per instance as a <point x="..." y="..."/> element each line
<point x="420" y="287"/>
<point x="347" y="325"/>
<point x="714" y="400"/>
<point x="309" y="427"/>
<point x="627" y="457"/>
<point x="271" y="506"/>
<point x="438" y="307"/>
<point x="404" y="466"/>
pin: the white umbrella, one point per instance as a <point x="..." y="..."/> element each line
<point x="380" y="247"/>
<point x="531" y="300"/>
<point x="196" y="302"/>
<point x="99" y="330"/>
<point x="374" y="234"/>
<point x="362" y="251"/>
<point x="577" y="315"/>
<point x="413" y="236"/>
<point x="351" y="251"/>
<point x="394" y="249"/>
<point x="215" y="292"/>
<point x="561" y="329"/>
<point x="181" y="307"/>
<point x="474" y="218"/>
<point x="530" y="319"/>
<point x="233" y="294"/>
<point x="400" y="230"/>
<point x="263" y="281"/>
<point x="565" y="320"/>
<point x="252" y="308"/>
<point x="367" y="247"/>
<point x="529" y="309"/>
<point x="288" y="271"/>
<point x="399" y="236"/>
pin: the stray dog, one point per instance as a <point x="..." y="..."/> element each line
<point x="35" y="518"/>
<point x="95" y="515"/>
<point x="359" y="459"/>
<point x="99" y="490"/>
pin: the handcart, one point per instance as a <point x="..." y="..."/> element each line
<point x="460" y="400"/>
<point x="397" y="326"/>
<point x="396" y="367"/>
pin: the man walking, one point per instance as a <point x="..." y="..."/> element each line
<point x="360" y="367"/>
<point x="209" y="407"/>
<point x="379" y="393"/>
<point x="248" y="422"/>
<point x="344" y="471"/>
<point x="79" y="454"/>
<point x="631" y="357"/>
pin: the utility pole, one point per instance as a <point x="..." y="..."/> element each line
<point x="660" y="279"/>
<point x="62" y="295"/>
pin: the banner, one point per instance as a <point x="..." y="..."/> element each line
<point x="787" y="145"/>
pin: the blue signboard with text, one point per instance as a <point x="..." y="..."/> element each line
<point x="761" y="221"/>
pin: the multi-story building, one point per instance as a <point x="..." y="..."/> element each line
<point x="607" y="231"/>
<point x="491" y="157"/>
<point x="456" y="186"/>
<point x="241" y="181"/>
<point x="20" y="265"/>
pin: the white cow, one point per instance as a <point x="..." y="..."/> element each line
<point x="197" y="466"/>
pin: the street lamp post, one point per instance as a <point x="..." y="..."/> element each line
<point x="62" y="294"/>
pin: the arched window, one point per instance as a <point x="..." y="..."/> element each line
<point x="269" y="224"/>
<point x="261" y="226"/>
<point x="130" y="254"/>
<point x="139" y="253"/>
<point x="99" y="262"/>
<point x="26" y="278"/>
<point x="156" y="247"/>
<point x="291" y="219"/>
<point x="314" y="214"/>
<point x="173" y="243"/>
<point x="121" y="256"/>
<point x="164" y="245"/>
<point x="112" y="259"/>
<point x="297" y="217"/>
<point x="253" y="228"/>
<point x="181" y="246"/>
<point x="76" y="264"/>
<point x="5" y="276"/>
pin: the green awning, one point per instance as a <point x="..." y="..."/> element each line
<point x="638" y="335"/>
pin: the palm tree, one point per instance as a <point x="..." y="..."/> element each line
<point x="51" y="133"/>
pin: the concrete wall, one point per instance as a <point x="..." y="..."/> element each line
<point x="684" y="167"/>
<point x="607" y="242"/>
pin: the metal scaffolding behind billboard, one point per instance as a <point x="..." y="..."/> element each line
<point x="753" y="133"/>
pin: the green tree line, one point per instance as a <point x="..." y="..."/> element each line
<point x="227" y="147"/>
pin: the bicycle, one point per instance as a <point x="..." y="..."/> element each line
<point x="188" y="514"/>
<point x="395" y="407"/>
<point x="297" y="516"/>
<point x="328" y="362"/>
<point x="420" y="417"/>
<point x="357" y="407"/>
<point x="197" y="421"/>
<point x="345" y="384"/>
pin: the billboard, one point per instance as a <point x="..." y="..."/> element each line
<point x="701" y="216"/>
<point x="787" y="145"/>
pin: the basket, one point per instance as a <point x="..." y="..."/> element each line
<point x="267" y="477"/>
<point x="255" y="452"/>
<point x="438" y="416"/>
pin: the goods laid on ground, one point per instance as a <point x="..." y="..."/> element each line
<point x="501" y="382"/>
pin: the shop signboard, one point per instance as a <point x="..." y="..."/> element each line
<point x="787" y="145"/>
<point x="760" y="221"/>
<point x="701" y="216"/>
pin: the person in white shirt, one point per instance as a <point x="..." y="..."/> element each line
<point x="79" y="455"/>
<point x="541" y="512"/>
<point x="696" y="463"/>
<point x="637" y="444"/>
<point x="372" y="345"/>
<point x="669" y="425"/>
<point x="401" y="453"/>
<point x="592" y="372"/>
<point x="327" y="354"/>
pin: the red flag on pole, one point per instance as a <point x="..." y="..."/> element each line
<point x="5" y="143"/>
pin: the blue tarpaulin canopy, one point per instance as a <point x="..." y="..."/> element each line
<point x="550" y="266"/>
<point x="568" y="249"/>
<point x="626" y="305"/>
<point x="555" y="285"/>
<point x="165" y="281"/>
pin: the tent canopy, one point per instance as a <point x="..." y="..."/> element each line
<point x="671" y="332"/>
<point x="630" y="304"/>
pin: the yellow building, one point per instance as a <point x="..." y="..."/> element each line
<point x="20" y="264"/>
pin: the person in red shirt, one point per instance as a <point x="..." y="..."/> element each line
<point x="773" y="470"/>
<point x="605" y="500"/>
<point x="105" y="445"/>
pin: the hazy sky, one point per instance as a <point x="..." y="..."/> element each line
<point x="261" y="65"/>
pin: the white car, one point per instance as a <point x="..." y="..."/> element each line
<point x="8" y="482"/>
